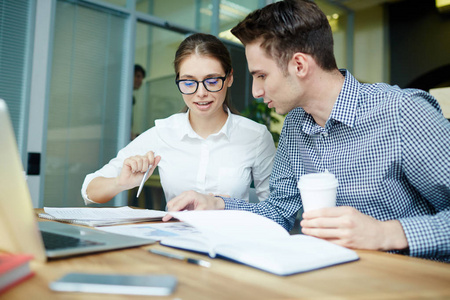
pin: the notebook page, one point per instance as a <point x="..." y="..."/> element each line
<point x="226" y="225"/>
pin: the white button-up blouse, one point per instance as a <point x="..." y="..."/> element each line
<point x="224" y="163"/>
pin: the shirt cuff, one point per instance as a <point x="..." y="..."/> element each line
<point x="420" y="235"/>
<point x="230" y="203"/>
<point x="86" y="182"/>
<point x="86" y="199"/>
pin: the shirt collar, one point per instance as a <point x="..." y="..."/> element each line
<point x="187" y="130"/>
<point x="344" y="109"/>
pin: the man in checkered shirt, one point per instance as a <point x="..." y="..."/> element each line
<point x="388" y="147"/>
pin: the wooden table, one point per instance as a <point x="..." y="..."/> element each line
<point x="376" y="275"/>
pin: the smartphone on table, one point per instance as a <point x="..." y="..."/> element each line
<point x="149" y="285"/>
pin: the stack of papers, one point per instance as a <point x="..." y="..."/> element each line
<point x="101" y="216"/>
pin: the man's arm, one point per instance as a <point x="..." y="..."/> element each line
<point x="426" y="164"/>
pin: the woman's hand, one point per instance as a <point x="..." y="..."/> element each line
<point x="191" y="200"/>
<point x="134" y="168"/>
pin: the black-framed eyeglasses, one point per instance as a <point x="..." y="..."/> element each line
<point x="190" y="86"/>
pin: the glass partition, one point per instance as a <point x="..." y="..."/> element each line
<point x="231" y="13"/>
<point x="158" y="97"/>
<point x="194" y="14"/>
<point x="338" y="18"/>
<point x="84" y="106"/>
<point x="16" y="25"/>
<point x="116" y="2"/>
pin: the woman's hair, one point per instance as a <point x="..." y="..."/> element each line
<point x="287" y="27"/>
<point x="209" y="46"/>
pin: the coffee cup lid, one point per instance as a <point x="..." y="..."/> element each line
<point x="317" y="181"/>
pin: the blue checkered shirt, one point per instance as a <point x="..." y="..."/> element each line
<point x="389" y="149"/>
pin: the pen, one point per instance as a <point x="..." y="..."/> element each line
<point x="199" y="262"/>
<point x="142" y="182"/>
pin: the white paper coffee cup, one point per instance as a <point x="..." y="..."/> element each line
<point x="318" y="190"/>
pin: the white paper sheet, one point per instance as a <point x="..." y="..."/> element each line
<point x="156" y="231"/>
<point x="102" y="213"/>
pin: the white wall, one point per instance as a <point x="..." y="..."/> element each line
<point x="370" y="57"/>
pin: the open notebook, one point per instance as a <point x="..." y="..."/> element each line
<point x="256" y="241"/>
<point x="18" y="226"/>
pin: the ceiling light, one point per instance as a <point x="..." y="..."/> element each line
<point x="443" y="5"/>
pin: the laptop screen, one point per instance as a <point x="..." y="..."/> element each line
<point x="18" y="227"/>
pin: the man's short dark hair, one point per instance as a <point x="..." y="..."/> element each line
<point x="287" y="27"/>
<point x="139" y="68"/>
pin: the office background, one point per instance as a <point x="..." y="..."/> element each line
<point x="66" y="69"/>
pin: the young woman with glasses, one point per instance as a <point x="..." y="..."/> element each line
<point x="207" y="148"/>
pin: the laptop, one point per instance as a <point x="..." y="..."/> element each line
<point x="19" y="229"/>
